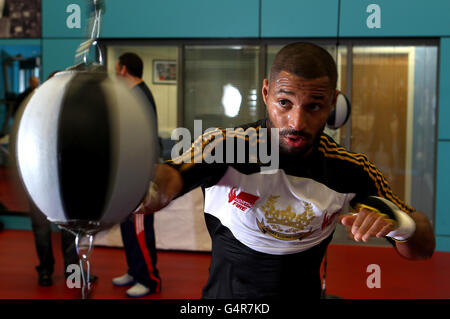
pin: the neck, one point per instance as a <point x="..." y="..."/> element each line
<point x="133" y="81"/>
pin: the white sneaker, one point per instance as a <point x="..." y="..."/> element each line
<point x="138" y="290"/>
<point x="124" y="280"/>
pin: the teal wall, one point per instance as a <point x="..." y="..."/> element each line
<point x="444" y="94"/>
<point x="55" y="15"/>
<point x="442" y="221"/>
<point x="58" y="54"/>
<point x="159" y="19"/>
<point x="442" y="214"/>
<point x="253" y="18"/>
<point x="293" y="18"/>
<point x="399" y="18"/>
<point x="16" y="222"/>
<point x="269" y="19"/>
<point x="20" y="222"/>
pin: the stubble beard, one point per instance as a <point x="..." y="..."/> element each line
<point x="291" y="152"/>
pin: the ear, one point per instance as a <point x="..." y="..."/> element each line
<point x="334" y="99"/>
<point x="265" y="90"/>
<point x="122" y="70"/>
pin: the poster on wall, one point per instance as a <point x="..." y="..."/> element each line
<point x="164" y="71"/>
<point x="20" y="19"/>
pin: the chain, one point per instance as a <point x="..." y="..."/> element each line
<point x="84" y="252"/>
<point x="97" y="9"/>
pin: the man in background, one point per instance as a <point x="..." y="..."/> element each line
<point x="137" y="231"/>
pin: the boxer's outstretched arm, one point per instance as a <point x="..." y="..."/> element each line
<point x="185" y="173"/>
<point x="167" y="185"/>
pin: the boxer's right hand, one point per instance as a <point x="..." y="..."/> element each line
<point x="167" y="185"/>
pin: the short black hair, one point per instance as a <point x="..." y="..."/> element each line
<point x="306" y="60"/>
<point x="133" y="63"/>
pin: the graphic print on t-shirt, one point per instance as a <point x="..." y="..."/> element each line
<point x="243" y="200"/>
<point x="286" y="224"/>
<point x="275" y="213"/>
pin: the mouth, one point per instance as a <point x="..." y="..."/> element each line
<point x="294" y="141"/>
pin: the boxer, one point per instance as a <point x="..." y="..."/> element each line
<point x="270" y="231"/>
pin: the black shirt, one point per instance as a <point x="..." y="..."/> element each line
<point x="148" y="94"/>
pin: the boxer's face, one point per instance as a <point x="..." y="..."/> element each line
<point x="299" y="107"/>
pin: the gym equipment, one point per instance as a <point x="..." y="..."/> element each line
<point x="85" y="148"/>
<point x="341" y="113"/>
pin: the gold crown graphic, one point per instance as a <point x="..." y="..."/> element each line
<point x="287" y="217"/>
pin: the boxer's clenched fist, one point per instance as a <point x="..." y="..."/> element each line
<point x="367" y="224"/>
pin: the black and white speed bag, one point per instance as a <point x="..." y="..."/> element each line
<point x="85" y="148"/>
<point x="341" y="112"/>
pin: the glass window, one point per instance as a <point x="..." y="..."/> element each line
<point x="393" y="94"/>
<point x="423" y="127"/>
<point x="393" y="119"/>
<point x="221" y="86"/>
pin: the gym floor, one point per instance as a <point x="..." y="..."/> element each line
<point x="184" y="273"/>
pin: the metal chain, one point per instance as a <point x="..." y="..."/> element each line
<point x="84" y="253"/>
<point x="97" y="8"/>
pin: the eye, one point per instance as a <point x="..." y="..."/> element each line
<point x="314" y="107"/>
<point x="284" y="103"/>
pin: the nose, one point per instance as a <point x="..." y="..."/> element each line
<point x="297" y="119"/>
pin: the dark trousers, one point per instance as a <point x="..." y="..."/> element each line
<point x="138" y="237"/>
<point x="42" y="238"/>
